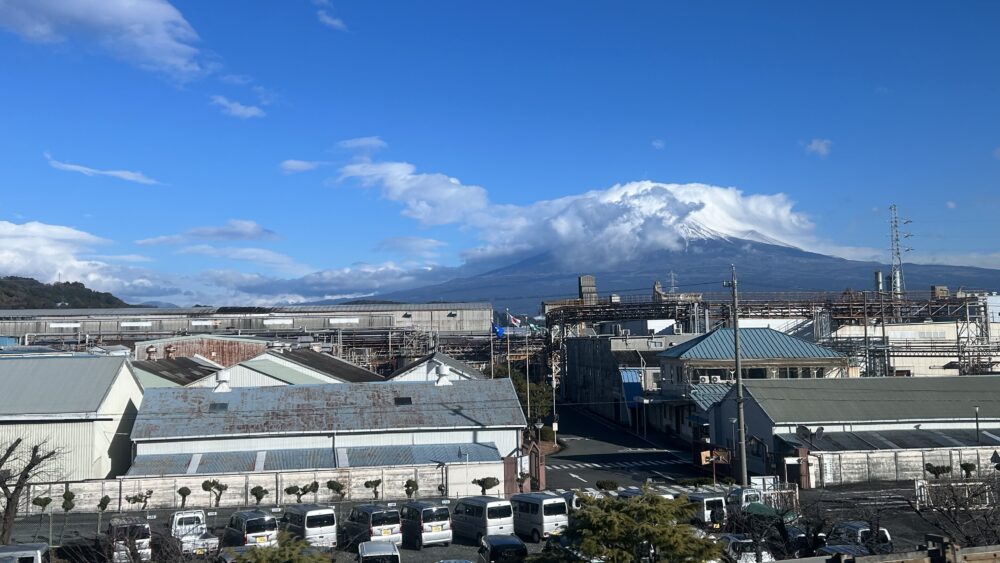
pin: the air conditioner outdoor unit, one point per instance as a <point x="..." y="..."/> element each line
<point x="703" y="379"/>
<point x="716" y="379"/>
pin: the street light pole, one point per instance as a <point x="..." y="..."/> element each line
<point x="979" y="440"/>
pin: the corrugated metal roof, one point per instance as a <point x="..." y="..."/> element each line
<point x="755" y="344"/>
<point x="385" y="456"/>
<point x="290" y="460"/>
<point x="180" y="371"/>
<point x="185" y="412"/>
<point x="891" y="440"/>
<point x="314" y="458"/>
<point x="445" y="359"/>
<point x="631" y="385"/>
<point x="150" y="380"/>
<point x="327" y="364"/>
<point x="56" y="384"/>
<point x="876" y="398"/>
<point x="165" y="464"/>
<point x="283" y="373"/>
<point x="227" y="462"/>
<point x="706" y="395"/>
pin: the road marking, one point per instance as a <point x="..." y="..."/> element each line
<point x="574" y="475"/>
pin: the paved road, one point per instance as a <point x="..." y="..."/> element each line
<point x="597" y="449"/>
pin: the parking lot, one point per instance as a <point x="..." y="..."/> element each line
<point x="595" y="450"/>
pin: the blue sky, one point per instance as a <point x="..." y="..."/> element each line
<point x="265" y="151"/>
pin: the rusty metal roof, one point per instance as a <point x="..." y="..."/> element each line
<point x="310" y="409"/>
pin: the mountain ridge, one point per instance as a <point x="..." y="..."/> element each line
<point x="701" y="267"/>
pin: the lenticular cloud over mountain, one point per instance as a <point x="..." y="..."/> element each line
<point x="599" y="226"/>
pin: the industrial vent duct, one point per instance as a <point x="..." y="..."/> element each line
<point x="442" y="375"/>
<point x="222" y="382"/>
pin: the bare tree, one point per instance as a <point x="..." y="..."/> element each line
<point x="966" y="511"/>
<point x="17" y="469"/>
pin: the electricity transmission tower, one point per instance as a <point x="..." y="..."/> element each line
<point x="897" y="249"/>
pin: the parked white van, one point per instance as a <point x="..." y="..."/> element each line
<point x="539" y="515"/>
<point x="25" y="553"/>
<point x="314" y="523"/>
<point x="478" y="517"/>
<point x="709" y="510"/>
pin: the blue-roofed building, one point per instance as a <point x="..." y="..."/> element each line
<point x="607" y="373"/>
<point x="696" y="374"/>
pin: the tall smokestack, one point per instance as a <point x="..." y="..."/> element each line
<point x="879" y="281"/>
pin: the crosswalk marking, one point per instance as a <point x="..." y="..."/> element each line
<point x="614" y="464"/>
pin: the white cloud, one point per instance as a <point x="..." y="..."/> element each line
<point x="432" y="199"/>
<point x="293" y="166"/>
<point x="819" y="147"/>
<point x="127" y="175"/>
<point x="328" y="20"/>
<point x="659" y="144"/>
<point x="373" y="143"/>
<point x="234" y="229"/>
<point x="236" y="109"/>
<point x="130" y="258"/>
<point x="951" y="205"/>
<point x="260" y="256"/>
<point x="411" y="246"/>
<point x="628" y="219"/>
<point x="151" y="34"/>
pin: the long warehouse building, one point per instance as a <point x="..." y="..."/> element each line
<point x="140" y="323"/>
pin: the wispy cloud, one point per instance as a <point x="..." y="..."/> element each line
<point x="235" y="229"/>
<point x="293" y="166"/>
<point x="819" y="147"/>
<point x="411" y="246"/>
<point x="260" y="256"/>
<point x="236" y="109"/>
<point x="659" y="144"/>
<point x="127" y="175"/>
<point x="372" y="143"/>
<point x="131" y="258"/>
<point x="330" y="21"/>
<point x="951" y="205"/>
<point x="151" y="34"/>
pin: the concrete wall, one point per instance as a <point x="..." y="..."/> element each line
<point x="457" y="480"/>
<point x="841" y="468"/>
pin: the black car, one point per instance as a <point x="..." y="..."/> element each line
<point x="502" y="549"/>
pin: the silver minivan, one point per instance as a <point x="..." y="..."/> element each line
<point x="478" y="517"/>
<point x="424" y="523"/>
<point x="370" y="522"/>
<point x="314" y="523"/>
<point x="539" y="515"/>
<point x="378" y="552"/>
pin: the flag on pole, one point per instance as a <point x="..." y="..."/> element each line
<point x="498" y="330"/>
<point x="511" y="319"/>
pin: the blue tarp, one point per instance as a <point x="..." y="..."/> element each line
<point x="631" y="385"/>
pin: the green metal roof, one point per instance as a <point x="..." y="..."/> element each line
<point x="755" y="344"/>
<point x="56" y="384"/>
<point x="705" y="395"/>
<point x="876" y="398"/>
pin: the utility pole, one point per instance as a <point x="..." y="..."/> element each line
<point x="740" y="419"/>
<point x="527" y="367"/>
